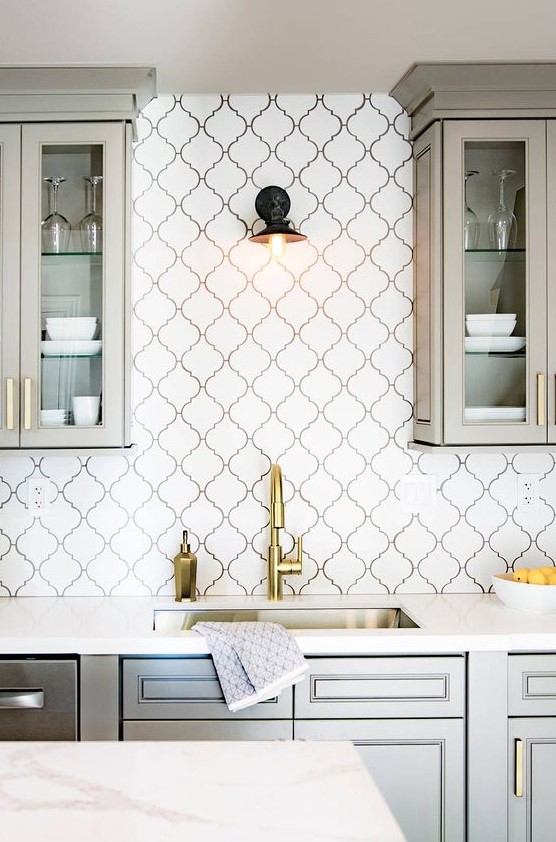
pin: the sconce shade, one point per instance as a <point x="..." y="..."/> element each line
<point x="272" y="204"/>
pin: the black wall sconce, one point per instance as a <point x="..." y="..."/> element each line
<point x="272" y="205"/>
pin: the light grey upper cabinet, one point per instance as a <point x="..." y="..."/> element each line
<point x="64" y="246"/>
<point x="484" y="216"/>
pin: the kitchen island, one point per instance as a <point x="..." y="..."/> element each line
<point x="209" y="792"/>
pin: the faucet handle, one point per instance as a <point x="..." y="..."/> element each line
<point x="294" y="566"/>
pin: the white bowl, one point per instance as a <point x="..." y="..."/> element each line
<point x="481" y="317"/>
<point x="490" y="325"/>
<point x="71" y="348"/>
<point x="54" y="417"/>
<point x="81" y="328"/>
<point x="540" y="599"/>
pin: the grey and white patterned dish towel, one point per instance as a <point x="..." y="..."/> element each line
<point x="253" y="661"/>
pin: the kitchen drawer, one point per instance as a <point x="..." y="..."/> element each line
<point x="186" y="688"/>
<point x="349" y="688"/>
<point x="207" y="730"/>
<point x="532" y="685"/>
<point x="38" y="699"/>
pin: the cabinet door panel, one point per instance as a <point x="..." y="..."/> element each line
<point x="417" y="764"/>
<point x="495" y="383"/>
<point x="532" y="815"/>
<point x="427" y="414"/>
<point x="551" y="264"/>
<point x="66" y="276"/>
<point x="187" y="688"/>
<point x="9" y="284"/>
<point x="382" y="687"/>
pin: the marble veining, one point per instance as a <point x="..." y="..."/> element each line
<point x="209" y="792"/>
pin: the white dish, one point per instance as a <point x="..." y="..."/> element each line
<point x="490" y="324"/>
<point x="490" y="328"/>
<point x="479" y="317"/>
<point x="71" y="347"/>
<point x="62" y="332"/>
<point x="67" y="320"/>
<point x="493" y="344"/>
<point x="540" y="599"/>
<point x="495" y="413"/>
<point x="71" y="328"/>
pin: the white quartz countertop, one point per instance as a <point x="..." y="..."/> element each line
<point x="124" y="625"/>
<point x="209" y="792"/>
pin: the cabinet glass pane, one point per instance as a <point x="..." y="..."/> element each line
<point x="72" y="271"/>
<point x="494" y="240"/>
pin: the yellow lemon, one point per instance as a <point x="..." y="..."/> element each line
<point x="521" y="574"/>
<point x="552" y="578"/>
<point x="537" y="577"/>
<point x="548" y="570"/>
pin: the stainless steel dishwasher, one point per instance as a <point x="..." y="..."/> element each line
<point x="38" y="699"/>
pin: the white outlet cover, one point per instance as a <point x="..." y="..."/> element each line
<point x="418" y="492"/>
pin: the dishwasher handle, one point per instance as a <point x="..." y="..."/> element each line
<point x="15" y="699"/>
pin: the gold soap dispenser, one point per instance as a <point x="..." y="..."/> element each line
<point x="185" y="572"/>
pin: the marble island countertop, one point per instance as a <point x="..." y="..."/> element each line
<point x="124" y="625"/>
<point x="238" y="792"/>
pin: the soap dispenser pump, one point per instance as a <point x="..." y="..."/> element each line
<point x="185" y="572"/>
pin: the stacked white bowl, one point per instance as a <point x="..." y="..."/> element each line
<point x="54" y="417"/>
<point x="78" y="328"/>
<point x="490" y="324"/>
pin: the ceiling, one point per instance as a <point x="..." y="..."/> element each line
<point x="288" y="46"/>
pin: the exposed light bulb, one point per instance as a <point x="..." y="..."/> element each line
<point x="277" y="245"/>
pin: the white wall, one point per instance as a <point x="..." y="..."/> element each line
<point x="240" y="361"/>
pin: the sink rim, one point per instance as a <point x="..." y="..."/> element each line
<point x="181" y="619"/>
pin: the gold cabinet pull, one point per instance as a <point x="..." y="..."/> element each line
<point x="9" y="403"/>
<point x="540" y="400"/>
<point x="27" y="403"/>
<point x="518" y="780"/>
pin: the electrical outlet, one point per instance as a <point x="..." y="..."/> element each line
<point x="527" y="491"/>
<point x="37" y="495"/>
<point x="418" y="492"/>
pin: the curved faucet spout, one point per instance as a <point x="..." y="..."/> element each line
<point x="277" y="565"/>
<point x="277" y="513"/>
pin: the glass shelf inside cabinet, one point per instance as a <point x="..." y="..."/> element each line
<point x="71" y="356"/>
<point x="66" y="254"/>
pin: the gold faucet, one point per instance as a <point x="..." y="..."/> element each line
<point x="279" y="566"/>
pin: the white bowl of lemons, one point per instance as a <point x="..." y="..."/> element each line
<point x="528" y="589"/>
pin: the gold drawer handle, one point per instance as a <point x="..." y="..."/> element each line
<point x="518" y="782"/>
<point x="9" y="403"/>
<point x="27" y="403"/>
<point x="540" y="400"/>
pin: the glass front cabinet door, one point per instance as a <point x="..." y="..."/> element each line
<point x="483" y="329"/>
<point x="63" y="234"/>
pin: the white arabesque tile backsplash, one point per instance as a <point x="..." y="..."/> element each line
<point x="240" y="361"/>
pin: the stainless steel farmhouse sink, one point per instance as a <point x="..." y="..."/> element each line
<point x="176" y="620"/>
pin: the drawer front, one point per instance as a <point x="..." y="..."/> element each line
<point x="186" y="688"/>
<point x="38" y="699"/>
<point x="532" y="685"/>
<point x="207" y="730"/>
<point x="349" y="688"/>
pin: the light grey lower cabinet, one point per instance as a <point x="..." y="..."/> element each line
<point x="210" y="729"/>
<point x="417" y="764"/>
<point x="406" y="717"/>
<point x="179" y="698"/>
<point x="532" y="748"/>
<point x="532" y="755"/>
